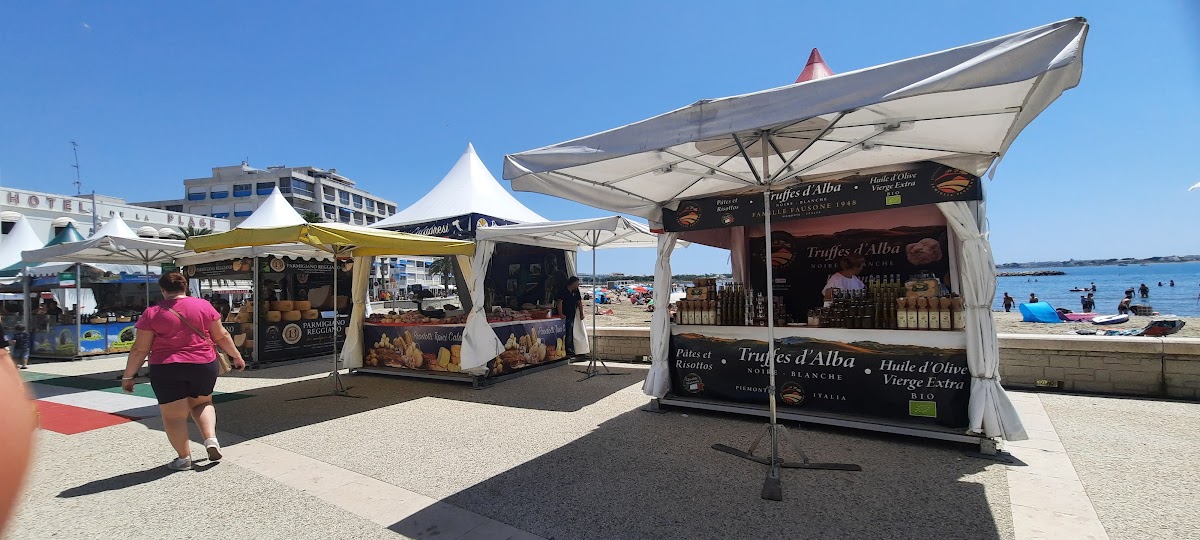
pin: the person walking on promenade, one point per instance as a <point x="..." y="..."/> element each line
<point x="180" y="336"/>
<point x="21" y="341"/>
<point x="1008" y="303"/>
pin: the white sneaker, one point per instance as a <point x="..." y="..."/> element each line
<point x="181" y="464"/>
<point x="214" y="449"/>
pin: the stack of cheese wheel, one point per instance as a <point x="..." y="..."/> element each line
<point x="310" y="314"/>
<point x="301" y="305"/>
<point x="292" y="315"/>
<point x="274" y="316"/>
<point x="282" y="305"/>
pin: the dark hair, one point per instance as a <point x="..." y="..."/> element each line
<point x="851" y="261"/>
<point x="20" y="327"/>
<point x="572" y="280"/>
<point x="173" y="282"/>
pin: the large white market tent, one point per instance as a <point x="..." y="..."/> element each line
<point x="274" y="211"/>
<point x="961" y="107"/>
<point x="469" y="188"/>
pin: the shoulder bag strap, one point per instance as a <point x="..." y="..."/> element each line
<point x="189" y="324"/>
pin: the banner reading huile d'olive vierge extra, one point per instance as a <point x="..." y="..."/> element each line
<point x="908" y="382"/>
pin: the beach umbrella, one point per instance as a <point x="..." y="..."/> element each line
<point x="1194" y="186"/>
<point x="961" y="108"/>
<point x="114" y="243"/>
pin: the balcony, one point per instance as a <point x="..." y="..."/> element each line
<point x="195" y="197"/>
<point x="238" y="214"/>
<point x="241" y="193"/>
<point x="219" y="195"/>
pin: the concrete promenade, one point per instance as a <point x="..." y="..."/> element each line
<point x="544" y="456"/>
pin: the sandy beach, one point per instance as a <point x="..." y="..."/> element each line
<point x="625" y="314"/>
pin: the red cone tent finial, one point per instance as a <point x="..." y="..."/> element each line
<point x="815" y="68"/>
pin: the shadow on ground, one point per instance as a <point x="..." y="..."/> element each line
<point x="130" y="479"/>
<point x="643" y="475"/>
<point x="289" y="406"/>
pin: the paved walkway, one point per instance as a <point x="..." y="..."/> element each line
<point x="546" y="457"/>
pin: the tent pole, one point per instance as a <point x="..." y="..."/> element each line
<point x="26" y="305"/>
<point x="256" y="292"/>
<point x="339" y="388"/>
<point x="592" y="370"/>
<point x="147" y="263"/>
<point x="78" y="309"/>
<point x="772" y="487"/>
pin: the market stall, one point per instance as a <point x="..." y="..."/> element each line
<point x="288" y="310"/>
<point x="351" y="248"/>
<point x="589" y="234"/>
<point x="517" y="333"/>
<point x="882" y="162"/>
<point x="93" y="283"/>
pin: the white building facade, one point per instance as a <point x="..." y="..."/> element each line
<point x="233" y="192"/>
<point x="50" y="213"/>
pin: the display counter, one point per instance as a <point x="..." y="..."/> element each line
<point x="67" y="341"/>
<point x="909" y="379"/>
<point x="434" y="350"/>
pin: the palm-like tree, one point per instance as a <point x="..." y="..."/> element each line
<point x="191" y="231"/>
<point x="442" y="266"/>
<point x="311" y="217"/>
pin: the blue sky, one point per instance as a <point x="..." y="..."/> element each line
<point x="390" y="93"/>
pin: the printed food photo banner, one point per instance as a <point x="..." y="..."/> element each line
<point x="439" y="347"/>
<point x="803" y="263"/>
<point x="910" y="185"/>
<point x="914" y="383"/>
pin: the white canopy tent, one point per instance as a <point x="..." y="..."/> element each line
<point x="589" y="234"/>
<point x="962" y="107"/>
<point x="19" y="239"/>
<point x="468" y="189"/>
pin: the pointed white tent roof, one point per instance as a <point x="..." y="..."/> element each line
<point x="469" y="188"/>
<point x="275" y="211"/>
<point x="19" y="239"/>
<point x="115" y="227"/>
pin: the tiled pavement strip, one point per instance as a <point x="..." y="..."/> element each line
<point x="1047" y="498"/>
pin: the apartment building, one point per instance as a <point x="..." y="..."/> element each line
<point x="233" y="192"/>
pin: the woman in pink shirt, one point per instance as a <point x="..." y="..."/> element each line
<point x="179" y="335"/>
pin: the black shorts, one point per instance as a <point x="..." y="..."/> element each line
<point x="173" y="382"/>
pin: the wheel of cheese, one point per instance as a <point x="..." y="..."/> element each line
<point x="245" y="315"/>
<point x="282" y="305"/>
<point x="291" y="315"/>
<point x="248" y="344"/>
<point x="274" y="316"/>
<point x="310" y="314"/>
<point x="301" y="305"/>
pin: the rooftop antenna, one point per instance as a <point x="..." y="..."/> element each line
<point x="78" y="183"/>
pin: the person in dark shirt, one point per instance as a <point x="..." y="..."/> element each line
<point x="570" y="305"/>
<point x="52" y="308"/>
<point x="21" y="340"/>
<point x="1008" y="302"/>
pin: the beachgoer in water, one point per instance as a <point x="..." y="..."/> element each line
<point x="1008" y="303"/>
<point x="1089" y="302"/>
<point x="1093" y="286"/>
<point x="1160" y="284"/>
<point x="1033" y="299"/>
<point x="1172" y="283"/>
<point x="1144" y="290"/>
<point x="1123" y="307"/>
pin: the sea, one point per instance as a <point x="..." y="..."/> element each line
<point x="1111" y="281"/>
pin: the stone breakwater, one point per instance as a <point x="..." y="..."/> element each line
<point x="1032" y="273"/>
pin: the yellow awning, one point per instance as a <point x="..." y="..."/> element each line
<point x="336" y="238"/>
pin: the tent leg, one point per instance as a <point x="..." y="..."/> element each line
<point x="773" y="488"/>
<point x="339" y="387"/>
<point x="592" y="370"/>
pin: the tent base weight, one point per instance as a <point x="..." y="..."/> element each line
<point x="772" y="487"/>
